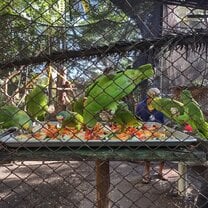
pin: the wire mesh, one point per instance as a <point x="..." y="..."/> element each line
<point x="103" y="103"/>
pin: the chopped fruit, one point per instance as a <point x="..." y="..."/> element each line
<point x="90" y="135"/>
<point x="131" y="131"/>
<point x="115" y="128"/>
<point x="37" y="135"/>
<point x="158" y="134"/>
<point x="51" y="131"/>
<point x="123" y="136"/>
<point x="98" y="129"/>
<point x="140" y="135"/>
<point x="99" y="132"/>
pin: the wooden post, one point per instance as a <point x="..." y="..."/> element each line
<point x="50" y="84"/>
<point x="60" y="106"/>
<point x="102" y="183"/>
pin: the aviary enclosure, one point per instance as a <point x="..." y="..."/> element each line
<point x="72" y="74"/>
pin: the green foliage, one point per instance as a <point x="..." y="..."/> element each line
<point x="31" y="27"/>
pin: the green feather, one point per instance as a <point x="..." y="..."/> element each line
<point x="109" y="90"/>
<point x="37" y="103"/>
<point x="70" y="119"/>
<point x="194" y="114"/>
<point x="78" y="105"/>
<point x="171" y="108"/>
<point x="11" y="116"/>
<point x="124" y="117"/>
<point x="99" y="82"/>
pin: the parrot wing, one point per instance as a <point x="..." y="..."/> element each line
<point x="171" y="108"/>
<point x="110" y="90"/>
<point x="100" y="81"/>
<point x="78" y="105"/>
<point x="37" y="103"/>
<point x="191" y="106"/>
<point x="11" y="116"/>
<point x="124" y="117"/>
<point x="78" y="120"/>
<point x="194" y="114"/>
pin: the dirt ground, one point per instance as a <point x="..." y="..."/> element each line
<point x="71" y="184"/>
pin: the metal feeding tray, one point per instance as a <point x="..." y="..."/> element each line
<point x="175" y="138"/>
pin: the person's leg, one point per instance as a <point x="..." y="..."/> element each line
<point x="146" y="175"/>
<point x="160" y="172"/>
<point x="161" y="166"/>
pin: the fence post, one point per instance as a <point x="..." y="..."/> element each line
<point x="182" y="169"/>
<point x="102" y="183"/>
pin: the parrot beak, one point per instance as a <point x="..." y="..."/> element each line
<point x="60" y="118"/>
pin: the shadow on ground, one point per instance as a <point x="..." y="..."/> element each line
<point x="71" y="184"/>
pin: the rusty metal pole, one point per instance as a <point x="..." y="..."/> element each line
<point x="102" y="183"/>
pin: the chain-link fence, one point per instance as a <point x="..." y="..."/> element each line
<point x="103" y="103"/>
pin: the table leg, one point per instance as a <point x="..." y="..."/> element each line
<point x="182" y="169"/>
<point x="102" y="183"/>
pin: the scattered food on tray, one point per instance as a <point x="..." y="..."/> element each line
<point x="52" y="131"/>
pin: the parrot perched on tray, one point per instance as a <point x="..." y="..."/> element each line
<point x="124" y="117"/>
<point x="70" y="119"/>
<point x="37" y="103"/>
<point x="193" y="115"/>
<point x="11" y="116"/>
<point x="171" y="108"/>
<point x="107" y="90"/>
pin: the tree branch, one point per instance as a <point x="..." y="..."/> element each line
<point x="197" y="41"/>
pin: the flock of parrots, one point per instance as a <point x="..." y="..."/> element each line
<point x="106" y="94"/>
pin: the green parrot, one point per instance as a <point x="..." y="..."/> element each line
<point x="193" y="115"/>
<point x="70" y="119"/>
<point x="37" y="103"/>
<point x="78" y="105"/>
<point x="124" y="117"/>
<point x="100" y="81"/>
<point x="107" y="90"/>
<point x="171" y="108"/>
<point x="11" y="116"/>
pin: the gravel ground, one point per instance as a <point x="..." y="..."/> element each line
<point x="71" y="184"/>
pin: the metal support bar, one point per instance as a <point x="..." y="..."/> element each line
<point x="182" y="181"/>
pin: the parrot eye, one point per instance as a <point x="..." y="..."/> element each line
<point x="45" y="90"/>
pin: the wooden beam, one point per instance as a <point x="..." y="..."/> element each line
<point x="104" y="153"/>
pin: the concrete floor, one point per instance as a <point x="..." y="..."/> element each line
<point x="71" y="184"/>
